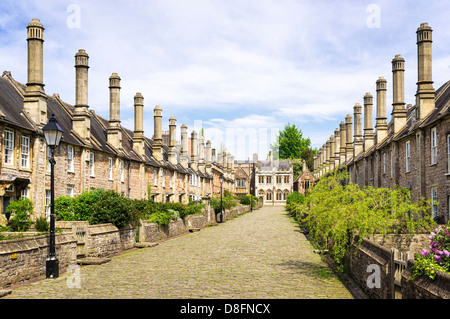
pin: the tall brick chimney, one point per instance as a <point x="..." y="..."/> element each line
<point x="201" y="152"/>
<point x="157" y="134"/>
<point x="343" y="141"/>
<point x="172" y="140"/>
<point x="357" y="137"/>
<point x="114" y="131"/>
<point x="425" y="96"/>
<point x="368" y="123"/>
<point x="35" y="99"/>
<point x="332" y="152"/>
<point x="381" y="124"/>
<point x="138" y="134"/>
<point x="194" y="150"/>
<point x="327" y="155"/>
<point x="349" y="142"/>
<point x="184" y="156"/>
<point x="398" y="105"/>
<point x="209" y="157"/>
<point x="81" y="117"/>
<point x="337" y="138"/>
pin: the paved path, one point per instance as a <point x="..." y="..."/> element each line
<point x="257" y="255"/>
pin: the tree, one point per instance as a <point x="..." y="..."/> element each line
<point x="290" y="143"/>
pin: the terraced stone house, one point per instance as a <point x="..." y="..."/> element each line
<point x="95" y="152"/>
<point x="412" y="150"/>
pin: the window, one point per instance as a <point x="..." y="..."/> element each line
<point x="91" y="164"/>
<point x="433" y="146"/>
<point x="269" y="196"/>
<point x="25" y="193"/>
<point x="47" y="203"/>
<point x="279" y="179"/>
<point x="25" y="151"/>
<point x="69" y="190"/>
<point x="9" y="146"/>
<point x="448" y="153"/>
<point x="261" y="179"/>
<point x="69" y="158"/>
<point x="286" y="179"/>
<point x="155" y="178"/>
<point x="111" y="166"/>
<point x="269" y="179"/>
<point x="279" y="195"/>
<point x="408" y="156"/>
<point x="122" y="171"/>
<point x="384" y="163"/>
<point x="434" y="202"/>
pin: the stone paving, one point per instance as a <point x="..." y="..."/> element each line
<point x="261" y="254"/>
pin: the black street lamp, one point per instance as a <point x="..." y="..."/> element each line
<point x="221" y="191"/>
<point x="53" y="133"/>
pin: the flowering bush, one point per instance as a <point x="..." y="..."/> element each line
<point x="437" y="257"/>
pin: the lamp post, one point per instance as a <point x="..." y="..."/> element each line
<point x="53" y="133"/>
<point x="221" y="191"/>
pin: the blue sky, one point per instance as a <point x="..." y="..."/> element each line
<point x="240" y="69"/>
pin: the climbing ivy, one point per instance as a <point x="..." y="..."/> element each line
<point x="335" y="210"/>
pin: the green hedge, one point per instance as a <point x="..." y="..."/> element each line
<point x="106" y="206"/>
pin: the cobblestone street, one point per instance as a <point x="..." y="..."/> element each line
<point x="260" y="254"/>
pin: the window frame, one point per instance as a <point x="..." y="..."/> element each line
<point x="91" y="164"/>
<point x="434" y="202"/>
<point x="70" y="159"/>
<point x="8" y="147"/>
<point x="433" y="145"/>
<point x="25" y="151"/>
<point x="111" y="168"/>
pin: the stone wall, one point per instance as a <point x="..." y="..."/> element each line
<point x="361" y="260"/>
<point x="360" y="263"/>
<point x="424" y="287"/>
<point x="25" y="258"/>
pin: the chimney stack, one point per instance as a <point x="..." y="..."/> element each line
<point x="194" y="150"/>
<point x="357" y="113"/>
<point x="425" y="96"/>
<point x="201" y="151"/>
<point x="381" y="124"/>
<point x="138" y="136"/>
<point x="208" y="157"/>
<point x="213" y="156"/>
<point x="337" y="139"/>
<point x="332" y="152"/>
<point x="398" y="105"/>
<point x="81" y="117"/>
<point x="184" y="158"/>
<point x="343" y="141"/>
<point x="114" y="132"/>
<point x="349" y="142"/>
<point x="368" y="123"/>
<point x="35" y="99"/>
<point x="172" y="140"/>
<point x="157" y="134"/>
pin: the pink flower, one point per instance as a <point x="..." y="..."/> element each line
<point x="424" y="252"/>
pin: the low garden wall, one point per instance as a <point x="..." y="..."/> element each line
<point x="364" y="261"/>
<point x="25" y="258"/>
<point x="424" y="287"/>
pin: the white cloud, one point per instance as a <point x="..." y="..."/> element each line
<point x="236" y="65"/>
